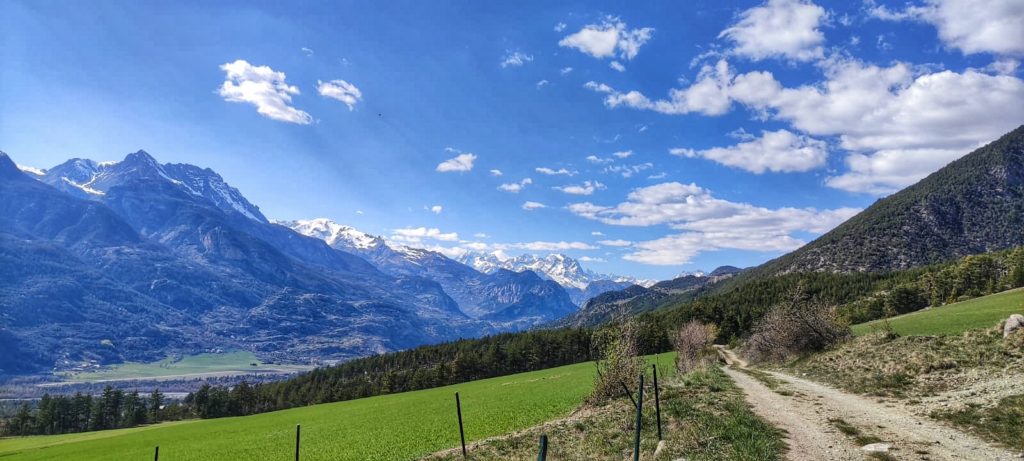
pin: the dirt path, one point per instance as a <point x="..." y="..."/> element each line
<point x="808" y="412"/>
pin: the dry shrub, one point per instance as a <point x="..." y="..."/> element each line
<point x="799" y="325"/>
<point x="693" y="344"/>
<point x="620" y="365"/>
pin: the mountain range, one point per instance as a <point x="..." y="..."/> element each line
<point x="133" y="260"/>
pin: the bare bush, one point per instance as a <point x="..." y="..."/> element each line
<point x="620" y="365"/>
<point x="799" y="325"/>
<point x="693" y="345"/>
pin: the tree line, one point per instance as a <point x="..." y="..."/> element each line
<point x="112" y="409"/>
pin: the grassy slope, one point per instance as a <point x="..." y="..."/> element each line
<point x="195" y="364"/>
<point x="399" y="426"/>
<point x="954" y="319"/>
<point x="704" y="416"/>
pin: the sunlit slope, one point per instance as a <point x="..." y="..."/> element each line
<point x="391" y="427"/>
<point x="953" y="319"/>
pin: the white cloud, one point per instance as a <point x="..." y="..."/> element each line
<point x="972" y="26"/>
<point x="587" y="188"/>
<point x="623" y="154"/>
<point x="307" y="51"/>
<point x="599" y="160"/>
<point x="779" y="28"/>
<point x="341" y="90"/>
<point x="496" y="172"/>
<point x="560" y="26"/>
<point x="707" y="223"/>
<point x="778" y="151"/>
<point x="480" y="235"/>
<point x="553" y="172"/>
<point x="436" y="209"/>
<point x="552" y="246"/>
<point x="627" y="171"/>
<point x="515" y="187"/>
<point x="609" y="39"/>
<point x="661" y="175"/>
<point x="264" y="88"/>
<point x="597" y="233"/>
<point x="615" y="243"/>
<point x="530" y="206"/>
<point x="515" y="59"/>
<point x="542" y="83"/>
<point x="461" y="162"/>
<point x="565" y="70"/>
<point x="419" y="234"/>
<point x="898" y="123"/>
<point x="616" y="65"/>
<point x="591" y="259"/>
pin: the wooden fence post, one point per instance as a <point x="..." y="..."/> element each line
<point x="156" y="453"/>
<point x="462" y="433"/>
<point x="298" y="432"/>
<point x="543" y="455"/>
<point x="639" y="419"/>
<point x="657" y="400"/>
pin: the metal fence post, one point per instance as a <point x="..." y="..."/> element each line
<point x="462" y="433"/>
<point x="657" y="400"/>
<point x="639" y="420"/>
<point x="156" y="453"/>
<point x="298" y="432"/>
<point x="543" y="455"/>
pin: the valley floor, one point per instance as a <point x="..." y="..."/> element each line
<point x="822" y="422"/>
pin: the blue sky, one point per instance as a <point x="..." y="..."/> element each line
<point x="737" y="139"/>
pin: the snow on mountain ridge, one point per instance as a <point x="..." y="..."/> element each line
<point x="560" y="268"/>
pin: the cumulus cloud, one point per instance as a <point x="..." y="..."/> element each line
<point x="496" y="172"/>
<point x="565" y="70"/>
<point x="553" y="172"/>
<point x="971" y="26"/>
<point x="530" y="206"/>
<point x="419" y="234"/>
<point x="623" y="154"/>
<point x="459" y="163"/>
<point x="778" y="151"/>
<point x="436" y="209"/>
<point x="707" y="223"/>
<point x="515" y="187"/>
<point x="609" y="39"/>
<point x="779" y="28"/>
<point x="599" y="160"/>
<point x="615" y="243"/>
<point x="627" y="171"/>
<point x="264" y="88"/>
<point x="616" y="65"/>
<point x="515" y="59"/>
<point x="587" y="188"/>
<point x="341" y="90"/>
<point x="898" y="123"/>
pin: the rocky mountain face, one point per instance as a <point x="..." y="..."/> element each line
<point x="973" y="205"/>
<point x="107" y="262"/>
<point x="637" y="299"/>
<point x="581" y="284"/>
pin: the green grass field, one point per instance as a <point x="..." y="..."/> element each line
<point x="391" y="427"/>
<point x="229" y="362"/>
<point x="954" y="319"/>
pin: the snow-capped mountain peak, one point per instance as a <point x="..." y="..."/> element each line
<point x="336" y="235"/>
<point x="562" y="269"/>
<point x="90" y="179"/>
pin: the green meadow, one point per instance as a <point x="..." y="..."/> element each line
<point x="390" y="427"/>
<point x="228" y="362"/>
<point x="953" y="319"/>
